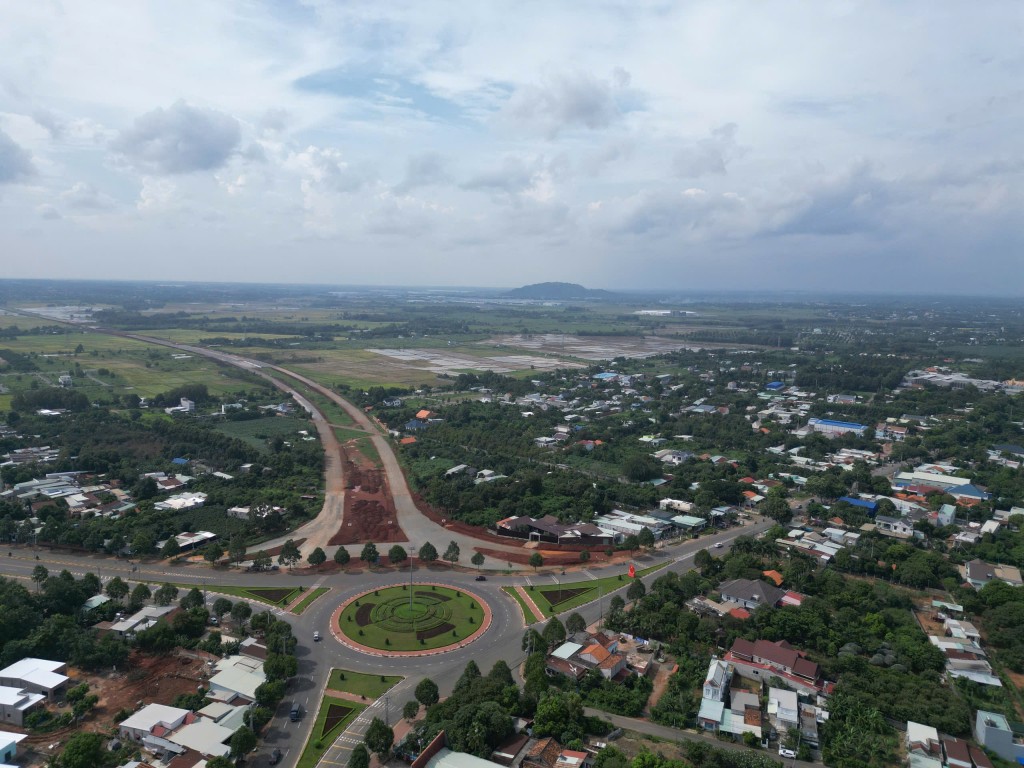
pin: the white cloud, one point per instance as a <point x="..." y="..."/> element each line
<point x="15" y="161"/>
<point x="179" y="139"/>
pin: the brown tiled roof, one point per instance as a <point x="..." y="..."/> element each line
<point x="806" y="668"/>
<point x="544" y="753"/>
<point x="956" y="749"/>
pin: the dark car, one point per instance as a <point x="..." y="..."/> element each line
<point x="481" y="577"/>
<point x="275" y="756"/>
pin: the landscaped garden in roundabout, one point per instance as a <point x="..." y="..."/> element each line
<point x="423" y="617"/>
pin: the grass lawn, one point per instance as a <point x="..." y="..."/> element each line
<point x="435" y="617"/>
<point x="334" y="716"/>
<point x="555" y="599"/>
<point x="361" y="684"/>
<point x="257" y="432"/>
<point x="528" y="617"/>
<point x="309" y="598"/>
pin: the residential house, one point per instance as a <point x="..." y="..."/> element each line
<point x="762" y="660"/>
<point x="922" y="740"/>
<point x="716" y="684"/>
<point x="894" y="526"/>
<point x="240" y="675"/>
<point x="36" y="676"/>
<point x="16" y="703"/>
<point x="978" y="573"/>
<point x="750" y="594"/>
<point x="140" y="621"/>
<point x="152" y="719"/>
<point x="543" y="754"/>
<point x="784" y="707"/>
<point x="9" y="746"/>
<point x="957" y="753"/>
<point x="994" y="732"/>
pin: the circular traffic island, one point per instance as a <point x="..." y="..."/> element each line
<point x="426" y="618"/>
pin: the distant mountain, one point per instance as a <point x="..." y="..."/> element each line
<point x="557" y="292"/>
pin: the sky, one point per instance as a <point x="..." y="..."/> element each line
<point x="826" y="146"/>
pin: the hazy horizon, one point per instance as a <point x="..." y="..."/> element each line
<point x="706" y="147"/>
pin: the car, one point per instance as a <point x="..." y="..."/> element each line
<point x="214" y="621"/>
<point x="718" y="545"/>
<point x="275" y="756"/>
<point x="783" y="752"/>
<point x="316" y="637"/>
<point x="481" y="577"/>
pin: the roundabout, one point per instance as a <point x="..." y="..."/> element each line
<point x="411" y="620"/>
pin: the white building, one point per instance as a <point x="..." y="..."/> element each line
<point x="15" y="703"/>
<point x="141" y="724"/>
<point x="36" y="676"/>
<point x="9" y="747"/>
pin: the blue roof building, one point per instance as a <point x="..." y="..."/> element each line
<point x="179" y="461"/>
<point x="870" y="506"/>
<point x="776" y="385"/>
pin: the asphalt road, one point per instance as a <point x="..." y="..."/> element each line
<point x="502" y="639"/>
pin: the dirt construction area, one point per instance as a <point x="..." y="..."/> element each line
<point x="369" y="510"/>
<point x="147" y="680"/>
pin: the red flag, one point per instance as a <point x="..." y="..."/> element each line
<point x="632" y="571"/>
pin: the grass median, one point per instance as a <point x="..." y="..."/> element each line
<point x="558" y="598"/>
<point x="333" y="717"/>
<point x="361" y="683"/>
<point x="309" y="598"/>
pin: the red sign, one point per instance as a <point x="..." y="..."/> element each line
<point x="632" y="571"/>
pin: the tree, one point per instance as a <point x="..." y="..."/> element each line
<point x="536" y="560"/>
<point x="193" y="599"/>
<point x="243" y="741"/>
<point x="641" y="467"/>
<point x="213" y="552"/>
<point x="379" y="738"/>
<point x="240" y="611"/>
<point x="703" y="560"/>
<point x="554" y="632"/>
<point x="369" y="555"/>
<point x="171" y="548"/>
<point x="632" y="543"/>
<point x="317" y="558"/>
<point x="139" y="596"/>
<point x="360" y="757"/>
<point x="427" y="553"/>
<point x="575" y="623"/>
<point x="477" y="559"/>
<point x="290" y="554"/>
<point x="261" y="561"/>
<point x="411" y="709"/>
<point x="221" y="606"/>
<point x="397" y="554"/>
<point x="39" y="575"/>
<point x="166" y="594"/>
<point x="533" y="641"/>
<point x="117" y="588"/>
<point x="219" y="761"/>
<point x="585" y="556"/>
<point x="83" y="750"/>
<point x="776" y="508"/>
<point x="451" y="554"/>
<point x="559" y="715"/>
<point x="616" y="604"/>
<point x="636" y="590"/>
<point x="426" y="692"/>
<point x="236" y="548"/>
<point x="341" y="556"/>
<point x="646" y="537"/>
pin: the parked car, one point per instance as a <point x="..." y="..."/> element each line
<point x="783" y="752"/>
<point x="481" y="577"/>
<point x="316" y="637"/>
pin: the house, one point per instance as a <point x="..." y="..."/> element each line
<point x="543" y="754"/>
<point x="15" y="703"/>
<point x="978" y="573"/>
<point x="9" y="746"/>
<point x="893" y="526"/>
<point x="957" y="753"/>
<point x="240" y="675"/>
<point x="922" y="740"/>
<point x="716" y="684"/>
<point x="761" y="660"/>
<point x="994" y="732"/>
<point x="783" y="705"/>
<point x="750" y="594"/>
<point x="141" y="620"/>
<point x="36" y="676"/>
<point x="204" y="736"/>
<point x="570" y="758"/>
<point x="146" y="721"/>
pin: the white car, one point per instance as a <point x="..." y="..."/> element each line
<point x="783" y="752"/>
<point x="718" y="545"/>
<point x="316" y="637"/>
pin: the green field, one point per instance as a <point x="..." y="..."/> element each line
<point x="309" y="598"/>
<point x="558" y="598"/>
<point x="333" y="717"/>
<point x="258" y="432"/>
<point x="388" y="620"/>
<point x="362" y="684"/>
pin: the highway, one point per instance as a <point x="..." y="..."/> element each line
<point x="502" y="639"/>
